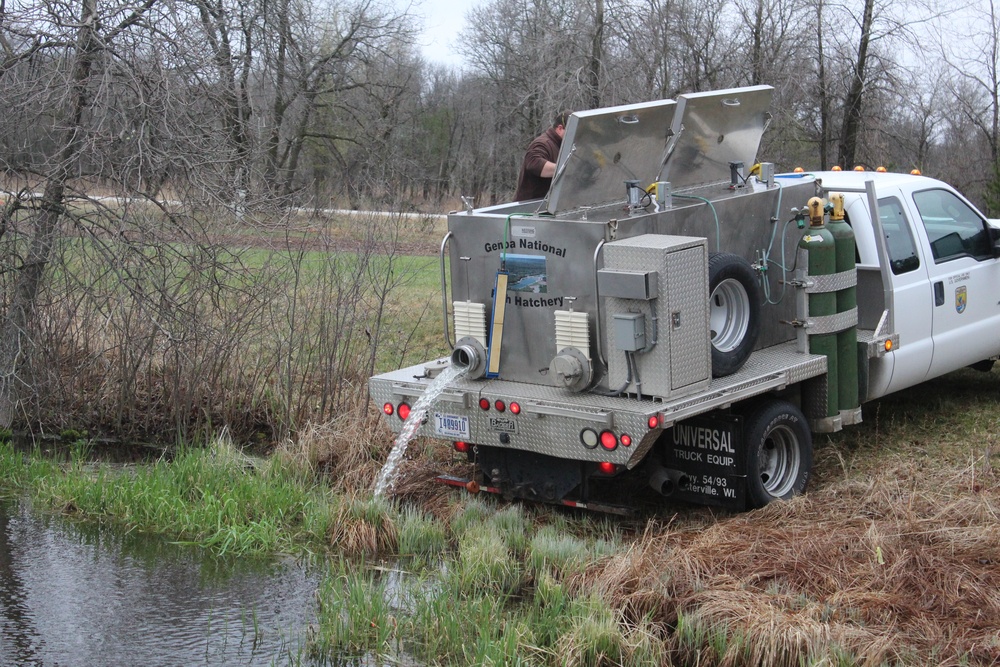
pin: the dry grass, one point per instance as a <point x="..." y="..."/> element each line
<point x="885" y="570"/>
<point x="364" y="526"/>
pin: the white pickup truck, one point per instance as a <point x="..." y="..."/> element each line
<point x="664" y="319"/>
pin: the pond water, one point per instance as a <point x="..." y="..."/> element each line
<point x="83" y="595"/>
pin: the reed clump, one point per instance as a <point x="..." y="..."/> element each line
<point x="364" y="526"/>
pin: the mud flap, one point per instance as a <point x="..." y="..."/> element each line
<point x="520" y="474"/>
<point x="705" y="461"/>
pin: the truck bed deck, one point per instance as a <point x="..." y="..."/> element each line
<point x="767" y="370"/>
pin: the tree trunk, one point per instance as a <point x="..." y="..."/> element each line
<point x="821" y="92"/>
<point x="596" y="55"/>
<point x="14" y="327"/>
<point x="855" y="95"/>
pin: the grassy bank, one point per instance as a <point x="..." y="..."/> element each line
<point x="892" y="558"/>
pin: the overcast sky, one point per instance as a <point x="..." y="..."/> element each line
<point x="443" y="20"/>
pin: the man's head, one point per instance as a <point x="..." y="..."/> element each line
<point x="559" y="122"/>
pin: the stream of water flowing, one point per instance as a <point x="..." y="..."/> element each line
<point x="387" y="476"/>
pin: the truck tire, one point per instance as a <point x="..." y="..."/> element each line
<point x="734" y="311"/>
<point x="779" y="452"/>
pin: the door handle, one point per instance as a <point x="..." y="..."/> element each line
<point x="939" y="293"/>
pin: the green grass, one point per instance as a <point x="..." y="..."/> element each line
<point x="212" y="497"/>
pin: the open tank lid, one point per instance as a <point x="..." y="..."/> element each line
<point x="689" y="142"/>
<point x="603" y="148"/>
<point x="714" y="129"/>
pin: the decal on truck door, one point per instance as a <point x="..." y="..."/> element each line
<point x="961" y="299"/>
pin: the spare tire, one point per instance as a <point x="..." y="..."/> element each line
<point x="733" y="313"/>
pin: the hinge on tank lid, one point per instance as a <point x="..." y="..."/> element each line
<point x="612" y="229"/>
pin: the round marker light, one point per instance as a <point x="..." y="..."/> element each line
<point x="388" y="409"/>
<point x="484" y="403"/>
<point x="403" y="411"/>
<point x="500" y="406"/>
<point x="859" y="168"/>
<point x="798" y="170"/>
<point x="588" y="437"/>
<point x="606" y="467"/>
<point x="608" y="440"/>
<point x="626" y="440"/>
<point x="515" y="408"/>
<point x="461" y="446"/>
<point x="881" y="170"/>
<point x="915" y="172"/>
<point x="836" y="167"/>
<point x="654" y="421"/>
<point x="888" y="345"/>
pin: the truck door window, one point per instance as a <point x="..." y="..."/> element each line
<point x="954" y="229"/>
<point x="898" y="238"/>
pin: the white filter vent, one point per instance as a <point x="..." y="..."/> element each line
<point x="572" y="330"/>
<point x="470" y="320"/>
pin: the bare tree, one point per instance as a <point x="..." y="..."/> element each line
<point x="85" y="43"/>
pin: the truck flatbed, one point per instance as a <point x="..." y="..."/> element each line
<point x="546" y="411"/>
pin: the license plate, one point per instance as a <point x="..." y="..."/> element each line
<point x="451" y="426"/>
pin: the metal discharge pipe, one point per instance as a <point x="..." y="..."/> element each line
<point x="470" y="356"/>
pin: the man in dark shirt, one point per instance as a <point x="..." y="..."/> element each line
<point x="540" y="161"/>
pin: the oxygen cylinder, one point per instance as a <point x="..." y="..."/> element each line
<point x="821" y="249"/>
<point x="847" y="300"/>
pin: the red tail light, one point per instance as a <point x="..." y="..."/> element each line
<point x="461" y="446"/>
<point x="484" y="403"/>
<point x="515" y="408"/>
<point x="654" y="421"/>
<point x="606" y="467"/>
<point x="500" y="406"/>
<point x="388" y="409"/>
<point x="403" y="411"/>
<point x="626" y="440"/>
<point x="608" y="440"/>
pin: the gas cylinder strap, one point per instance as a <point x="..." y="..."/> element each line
<point x="827" y="324"/>
<point x="832" y="282"/>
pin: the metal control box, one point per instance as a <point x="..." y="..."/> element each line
<point x="675" y="358"/>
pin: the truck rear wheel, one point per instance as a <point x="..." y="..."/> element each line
<point x="779" y="452"/>
<point x="734" y="311"/>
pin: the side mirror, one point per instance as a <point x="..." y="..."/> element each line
<point x="994" y="240"/>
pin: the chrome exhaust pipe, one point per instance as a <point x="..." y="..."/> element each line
<point x="665" y="481"/>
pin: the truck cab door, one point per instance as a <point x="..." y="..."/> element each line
<point x="909" y="363"/>
<point x="964" y="275"/>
